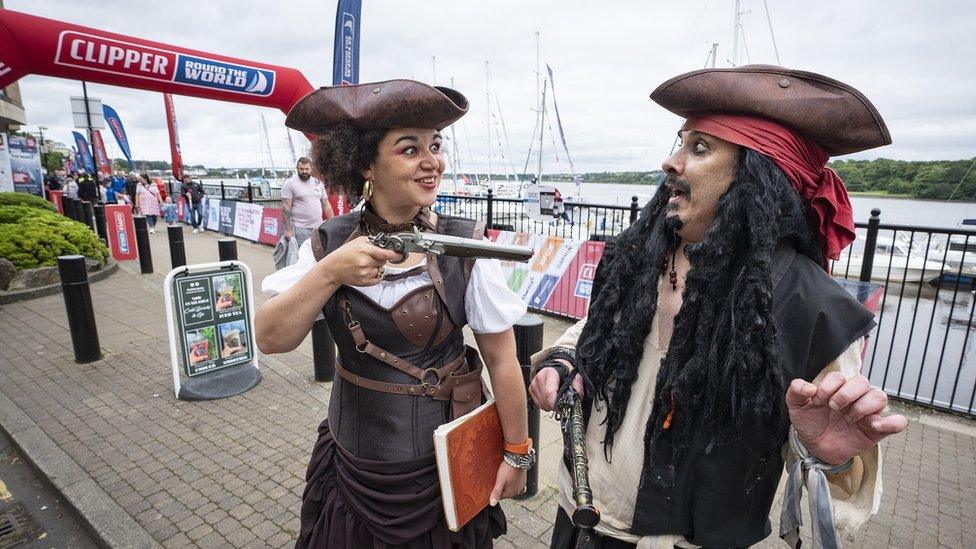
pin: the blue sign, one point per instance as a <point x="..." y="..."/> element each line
<point x="219" y="75"/>
<point x="543" y="290"/>
<point x="345" y="56"/>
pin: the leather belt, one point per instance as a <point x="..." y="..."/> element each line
<point x="442" y="390"/>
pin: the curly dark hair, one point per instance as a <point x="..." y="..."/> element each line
<point x="722" y="362"/>
<point x="341" y="154"/>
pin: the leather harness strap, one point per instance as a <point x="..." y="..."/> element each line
<point x="443" y="390"/>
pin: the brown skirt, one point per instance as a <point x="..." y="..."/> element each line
<point x="358" y="503"/>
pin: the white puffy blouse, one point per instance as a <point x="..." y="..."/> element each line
<point x="489" y="304"/>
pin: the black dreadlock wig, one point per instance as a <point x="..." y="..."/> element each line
<point x="722" y="361"/>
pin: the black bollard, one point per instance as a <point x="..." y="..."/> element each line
<point x="100" y="224"/>
<point x="323" y="351"/>
<point x="177" y="251"/>
<point x="88" y="214"/>
<point x="78" y="305"/>
<point x="71" y="208"/>
<point x="227" y="249"/>
<point x="142" y="243"/>
<point x="528" y="341"/>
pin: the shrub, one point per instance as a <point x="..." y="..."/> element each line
<point x="25" y="199"/>
<point x="32" y="237"/>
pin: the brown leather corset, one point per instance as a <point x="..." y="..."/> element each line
<point x="402" y="372"/>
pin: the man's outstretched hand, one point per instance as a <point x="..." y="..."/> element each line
<point x="839" y="418"/>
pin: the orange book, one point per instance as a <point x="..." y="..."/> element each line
<point x="469" y="451"/>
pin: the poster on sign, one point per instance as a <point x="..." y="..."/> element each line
<point x="571" y="296"/>
<point x="211" y="216"/>
<point x="25" y="164"/>
<point x="272" y="226"/>
<point x="539" y="202"/>
<point x="121" y="231"/>
<point x="226" y="210"/>
<point x="247" y="221"/>
<point x="6" y="180"/>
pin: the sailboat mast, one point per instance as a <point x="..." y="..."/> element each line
<point x="456" y="158"/>
<point x="542" y="125"/>
<point x="267" y="143"/>
<point x="488" y="119"/>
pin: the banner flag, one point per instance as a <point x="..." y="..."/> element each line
<point x="101" y="157"/>
<point x="115" y="124"/>
<point x="345" y="53"/>
<point x="85" y="160"/>
<point x="562" y="135"/>
<point x="174" y="137"/>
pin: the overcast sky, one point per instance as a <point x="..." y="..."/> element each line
<point x="915" y="61"/>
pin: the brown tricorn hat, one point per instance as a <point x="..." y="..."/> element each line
<point x="378" y="105"/>
<point x="835" y="115"/>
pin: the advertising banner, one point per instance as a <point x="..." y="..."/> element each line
<point x="121" y="231"/>
<point x="226" y="212"/>
<point x="25" y="164"/>
<point x="83" y="152"/>
<point x="101" y="157"/>
<point x="345" y="52"/>
<point x="174" y="137"/>
<point x="37" y="45"/>
<point x="213" y="319"/>
<point x="56" y="198"/>
<point x="211" y="214"/>
<point x="114" y="123"/>
<point x="272" y="226"/>
<point x="247" y="221"/>
<point x="181" y="209"/>
<point x="571" y="296"/>
<point x="6" y="180"/>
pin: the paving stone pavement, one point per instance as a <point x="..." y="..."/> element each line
<point x="230" y="472"/>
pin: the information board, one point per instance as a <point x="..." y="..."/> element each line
<point x="213" y="320"/>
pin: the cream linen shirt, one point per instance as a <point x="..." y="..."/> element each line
<point x="856" y="494"/>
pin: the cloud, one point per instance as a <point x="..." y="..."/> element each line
<point x="908" y="59"/>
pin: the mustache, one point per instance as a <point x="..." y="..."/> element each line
<point x="673" y="182"/>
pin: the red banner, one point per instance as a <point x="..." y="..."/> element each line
<point x="174" y="137"/>
<point x="180" y="207"/>
<point x="571" y="295"/>
<point x="37" y="45"/>
<point x="101" y="157"/>
<point x="121" y="231"/>
<point x="56" y="198"/>
<point x="272" y="226"/>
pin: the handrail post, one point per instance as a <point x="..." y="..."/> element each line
<point x="488" y="211"/>
<point x="223" y="192"/>
<point x="633" y="209"/>
<point x="870" y="242"/>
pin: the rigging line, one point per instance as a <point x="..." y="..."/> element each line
<point x="508" y="146"/>
<point x="769" y="21"/>
<point x="699" y="16"/>
<point x="959" y="185"/>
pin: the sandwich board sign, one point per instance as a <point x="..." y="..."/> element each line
<point x="210" y="317"/>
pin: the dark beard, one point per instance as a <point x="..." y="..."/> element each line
<point x="304" y="177"/>
<point x="722" y="364"/>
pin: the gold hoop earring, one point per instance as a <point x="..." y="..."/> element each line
<point x="368" y="189"/>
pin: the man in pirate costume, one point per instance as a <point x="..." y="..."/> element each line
<point x="716" y="346"/>
<point x="403" y="368"/>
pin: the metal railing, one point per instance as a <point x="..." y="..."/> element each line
<point x="924" y="278"/>
<point x="242" y="193"/>
<point x="580" y="220"/>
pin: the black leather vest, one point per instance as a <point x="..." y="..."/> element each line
<point x="721" y="494"/>
<point x="379" y="425"/>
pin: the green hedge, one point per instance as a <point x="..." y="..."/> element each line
<point x="32" y="235"/>
<point x="25" y="199"/>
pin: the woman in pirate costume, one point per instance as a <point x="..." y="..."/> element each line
<point x="403" y="368"/>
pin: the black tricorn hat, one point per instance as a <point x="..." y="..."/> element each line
<point x="835" y="115"/>
<point x="378" y="105"/>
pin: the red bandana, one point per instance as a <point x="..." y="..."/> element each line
<point x="802" y="160"/>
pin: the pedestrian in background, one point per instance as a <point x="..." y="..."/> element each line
<point x="149" y="201"/>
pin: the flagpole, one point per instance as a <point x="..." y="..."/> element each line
<point x="91" y="136"/>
